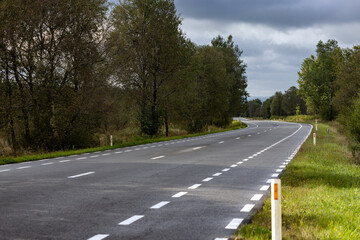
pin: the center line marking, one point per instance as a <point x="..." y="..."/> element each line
<point x="5" y="170"/>
<point x="24" y="167"/>
<point x="82" y="174"/>
<point x="232" y="166"/>
<point x="159" y="205"/>
<point x="128" y="150"/>
<point x="118" y="152"/>
<point x="256" y="197"/>
<point x="196" y="148"/>
<point x="246" y="160"/>
<point x="247" y="208"/>
<point x="99" y="237"/>
<point x="95" y="156"/>
<point x="240" y="163"/>
<point x="179" y="194"/>
<point x="238" y="138"/>
<point x="195" y="186"/>
<point x="234" y="224"/>
<point x="207" y="179"/>
<point x="131" y="220"/>
<point x="221" y="142"/>
<point x="81" y="158"/>
<point x="249" y="135"/>
<point x="105" y="154"/>
<point x="44" y="164"/>
<point x="157" y="157"/>
<point x="217" y="174"/>
<point x="225" y="169"/>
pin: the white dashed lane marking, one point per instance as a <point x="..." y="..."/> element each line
<point x="82" y="174"/>
<point x="179" y="194"/>
<point x="5" y="170"/>
<point x="247" y="208"/>
<point x="225" y="169"/>
<point x="99" y="237"/>
<point x="160" y="205"/>
<point x="275" y="175"/>
<point x="154" y="158"/>
<point x="44" y="164"/>
<point x="217" y="174"/>
<point x="24" y="167"/>
<point x="105" y="154"/>
<point x="234" y="224"/>
<point x="221" y="142"/>
<point x="207" y="179"/>
<point x="95" y="156"/>
<point x="195" y="186"/>
<point x="264" y="188"/>
<point x="232" y="166"/>
<point x="256" y="197"/>
<point x="62" y="161"/>
<point x="81" y="158"/>
<point x="131" y="220"/>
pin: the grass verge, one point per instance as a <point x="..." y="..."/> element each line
<point x="141" y="140"/>
<point x="320" y="194"/>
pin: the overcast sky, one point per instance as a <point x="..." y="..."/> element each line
<point x="275" y="35"/>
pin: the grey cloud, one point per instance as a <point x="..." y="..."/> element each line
<point x="280" y="13"/>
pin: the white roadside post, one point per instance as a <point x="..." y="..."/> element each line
<point x="314" y="136"/>
<point x="316" y="124"/>
<point x="111" y="140"/>
<point x="276" y="209"/>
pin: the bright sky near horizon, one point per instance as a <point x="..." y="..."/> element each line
<point x="274" y="35"/>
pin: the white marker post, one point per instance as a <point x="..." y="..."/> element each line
<point x="314" y="137"/>
<point x="316" y="124"/>
<point x="111" y="140"/>
<point x="276" y="209"/>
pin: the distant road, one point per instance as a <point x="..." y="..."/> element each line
<point x="195" y="188"/>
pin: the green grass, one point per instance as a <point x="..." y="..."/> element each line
<point x="133" y="142"/>
<point x="321" y="194"/>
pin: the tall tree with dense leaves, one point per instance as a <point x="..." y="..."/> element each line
<point x="146" y="47"/>
<point x="317" y="80"/>
<point x="50" y="52"/>
<point x="276" y="105"/>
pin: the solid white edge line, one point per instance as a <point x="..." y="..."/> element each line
<point x="80" y="175"/>
<point x="131" y="220"/>
<point x="99" y="237"/>
<point x="264" y="188"/>
<point x="160" y="205"/>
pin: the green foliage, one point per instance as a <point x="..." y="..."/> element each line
<point x="317" y="80"/>
<point x="254" y="108"/>
<point x="320" y="189"/>
<point x="352" y="125"/>
<point x="298" y="111"/>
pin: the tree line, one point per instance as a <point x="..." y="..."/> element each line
<point x="279" y="105"/>
<point x="71" y="69"/>
<point x="330" y="84"/>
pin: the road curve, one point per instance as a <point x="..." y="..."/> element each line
<point x="195" y="188"/>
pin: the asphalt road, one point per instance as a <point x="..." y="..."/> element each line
<point x="194" y="188"/>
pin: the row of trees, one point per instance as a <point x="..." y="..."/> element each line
<point x="280" y="104"/>
<point x="329" y="83"/>
<point x="69" y="69"/>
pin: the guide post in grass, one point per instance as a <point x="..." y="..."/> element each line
<point x="314" y="137"/>
<point x="111" y="140"/>
<point x="328" y="133"/>
<point x="276" y="209"/>
<point x="316" y="124"/>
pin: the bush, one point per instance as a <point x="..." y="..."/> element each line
<point x="352" y="125"/>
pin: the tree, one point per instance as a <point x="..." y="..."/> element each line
<point x="291" y="100"/>
<point x="266" y="108"/>
<point x="147" y="47"/>
<point x="276" y="105"/>
<point x="254" y="108"/>
<point x="50" y="51"/>
<point x="317" y="80"/>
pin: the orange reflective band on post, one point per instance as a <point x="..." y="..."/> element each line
<point x="276" y="191"/>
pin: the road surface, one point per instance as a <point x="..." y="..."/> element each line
<point x="195" y="188"/>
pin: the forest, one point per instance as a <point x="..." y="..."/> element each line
<point x="73" y="72"/>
